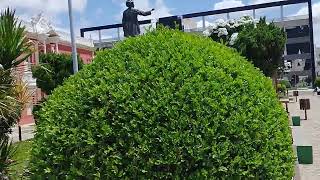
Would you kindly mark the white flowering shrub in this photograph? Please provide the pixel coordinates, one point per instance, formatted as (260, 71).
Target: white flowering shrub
(226, 32)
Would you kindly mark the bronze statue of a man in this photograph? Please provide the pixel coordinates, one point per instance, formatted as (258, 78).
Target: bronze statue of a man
(130, 21)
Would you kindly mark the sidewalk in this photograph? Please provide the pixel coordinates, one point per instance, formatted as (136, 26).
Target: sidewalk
(27, 132)
(308, 133)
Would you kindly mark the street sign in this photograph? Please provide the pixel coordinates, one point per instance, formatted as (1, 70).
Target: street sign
(305, 105)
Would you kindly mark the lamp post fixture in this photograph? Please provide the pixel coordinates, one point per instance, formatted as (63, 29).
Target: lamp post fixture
(73, 42)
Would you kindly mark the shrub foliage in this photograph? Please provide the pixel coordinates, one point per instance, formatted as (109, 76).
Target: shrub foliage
(286, 83)
(53, 70)
(263, 45)
(164, 105)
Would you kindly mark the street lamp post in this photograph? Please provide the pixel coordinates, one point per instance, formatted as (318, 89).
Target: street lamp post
(73, 43)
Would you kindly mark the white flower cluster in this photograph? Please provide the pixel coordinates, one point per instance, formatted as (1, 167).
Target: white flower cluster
(233, 38)
(1, 67)
(222, 32)
(207, 32)
(224, 28)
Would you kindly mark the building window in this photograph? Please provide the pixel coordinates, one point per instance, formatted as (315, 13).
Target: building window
(298, 47)
(307, 65)
(299, 31)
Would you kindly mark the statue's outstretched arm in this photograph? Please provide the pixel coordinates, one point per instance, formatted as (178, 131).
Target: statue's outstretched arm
(144, 13)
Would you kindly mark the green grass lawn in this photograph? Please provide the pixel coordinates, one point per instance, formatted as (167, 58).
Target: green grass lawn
(21, 160)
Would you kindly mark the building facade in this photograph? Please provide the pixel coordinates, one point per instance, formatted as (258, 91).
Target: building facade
(46, 39)
(299, 67)
(317, 57)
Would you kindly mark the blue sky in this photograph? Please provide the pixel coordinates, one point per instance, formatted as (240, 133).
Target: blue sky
(101, 12)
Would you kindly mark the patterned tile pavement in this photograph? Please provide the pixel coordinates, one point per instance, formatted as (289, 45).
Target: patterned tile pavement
(308, 133)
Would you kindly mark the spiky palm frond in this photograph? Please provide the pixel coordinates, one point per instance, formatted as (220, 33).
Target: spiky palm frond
(15, 47)
(23, 95)
(7, 151)
(9, 106)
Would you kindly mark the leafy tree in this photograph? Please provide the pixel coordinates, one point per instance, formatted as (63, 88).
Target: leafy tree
(263, 44)
(53, 70)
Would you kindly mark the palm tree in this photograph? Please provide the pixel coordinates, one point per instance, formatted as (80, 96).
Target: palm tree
(7, 150)
(9, 105)
(15, 47)
(9, 108)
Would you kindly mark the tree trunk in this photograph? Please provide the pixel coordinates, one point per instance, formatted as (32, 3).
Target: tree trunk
(275, 80)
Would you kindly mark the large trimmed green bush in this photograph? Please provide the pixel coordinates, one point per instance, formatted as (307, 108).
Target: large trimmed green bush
(164, 105)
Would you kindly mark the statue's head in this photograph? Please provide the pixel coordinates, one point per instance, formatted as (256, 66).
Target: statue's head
(130, 4)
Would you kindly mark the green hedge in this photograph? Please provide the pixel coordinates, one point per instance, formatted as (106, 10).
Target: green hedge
(282, 88)
(286, 83)
(164, 105)
(53, 70)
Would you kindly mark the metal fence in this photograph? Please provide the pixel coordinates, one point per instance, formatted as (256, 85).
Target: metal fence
(252, 9)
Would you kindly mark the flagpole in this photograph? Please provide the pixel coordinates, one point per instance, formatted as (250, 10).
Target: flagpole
(73, 43)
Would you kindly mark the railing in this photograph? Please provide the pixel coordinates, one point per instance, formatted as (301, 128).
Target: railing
(112, 26)
(203, 16)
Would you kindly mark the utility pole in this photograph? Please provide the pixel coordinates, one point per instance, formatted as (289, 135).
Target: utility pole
(73, 42)
(312, 42)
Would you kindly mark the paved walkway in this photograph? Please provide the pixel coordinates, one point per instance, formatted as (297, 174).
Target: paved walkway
(308, 133)
(27, 132)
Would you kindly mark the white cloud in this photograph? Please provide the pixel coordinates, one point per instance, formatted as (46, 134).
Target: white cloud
(228, 4)
(272, 13)
(51, 9)
(224, 4)
(161, 9)
(49, 6)
(315, 10)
